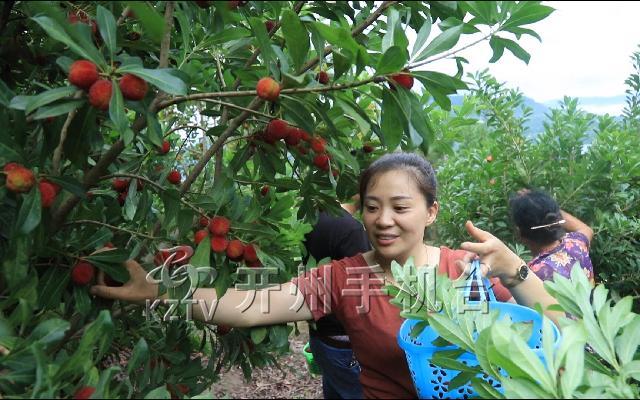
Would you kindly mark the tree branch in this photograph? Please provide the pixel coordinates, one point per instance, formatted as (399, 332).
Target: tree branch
(57, 153)
(246, 93)
(354, 32)
(450, 52)
(88, 221)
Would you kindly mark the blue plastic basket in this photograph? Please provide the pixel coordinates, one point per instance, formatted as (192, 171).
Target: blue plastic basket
(431, 381)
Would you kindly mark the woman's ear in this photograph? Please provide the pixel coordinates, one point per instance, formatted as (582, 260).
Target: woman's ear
(432, 213)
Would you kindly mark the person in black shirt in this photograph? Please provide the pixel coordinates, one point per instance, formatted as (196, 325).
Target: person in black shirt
(336, 237)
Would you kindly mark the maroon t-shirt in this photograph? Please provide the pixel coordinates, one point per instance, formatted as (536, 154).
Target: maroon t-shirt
(371, 322)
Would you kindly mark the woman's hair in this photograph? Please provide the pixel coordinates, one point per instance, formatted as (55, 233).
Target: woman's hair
(418, 167)
(535, 208)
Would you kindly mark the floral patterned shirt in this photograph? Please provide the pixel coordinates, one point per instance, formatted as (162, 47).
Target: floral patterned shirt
(574, 248)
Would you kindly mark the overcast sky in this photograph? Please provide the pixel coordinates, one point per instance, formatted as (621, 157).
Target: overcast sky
(584, 52)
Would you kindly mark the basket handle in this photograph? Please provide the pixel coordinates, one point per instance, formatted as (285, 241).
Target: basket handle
(483, 284)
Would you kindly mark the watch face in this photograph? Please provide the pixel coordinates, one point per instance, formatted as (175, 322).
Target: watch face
(523, 272)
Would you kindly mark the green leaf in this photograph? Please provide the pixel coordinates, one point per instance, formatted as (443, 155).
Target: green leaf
(258, 334)
(518, 388)
(392, 120)
(51, 286)
(342, 62)
(497, 45)
(107, 27)
(30, 212)
(263, 41)
(58, 33)
(111, 263)
(528, 14)
(139, 355)
(515, 49)
(20, 102)
(574, 370)
(451, 331)
(423, 35)
(154, 130)
(49, 331)
(49, 97)
(152, 22)
(296, 37)
(486, 11)
(449, 84)
(58, 109)
(202, 255)
(160, 392)
(443, 42)
(484, 389)
(162, 78)
(5, 94)
(627, 343)
(81, 300)
(392, 61)
(116, 109)
(339, 37)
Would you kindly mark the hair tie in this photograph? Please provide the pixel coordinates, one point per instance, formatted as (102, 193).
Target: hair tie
(562, 221)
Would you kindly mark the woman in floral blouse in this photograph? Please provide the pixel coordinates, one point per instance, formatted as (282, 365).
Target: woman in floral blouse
(557, 240)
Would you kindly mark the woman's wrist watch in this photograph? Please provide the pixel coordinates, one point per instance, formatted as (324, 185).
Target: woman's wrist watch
(522, 272)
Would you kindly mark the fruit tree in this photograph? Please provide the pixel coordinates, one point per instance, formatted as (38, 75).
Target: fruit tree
(224, 126)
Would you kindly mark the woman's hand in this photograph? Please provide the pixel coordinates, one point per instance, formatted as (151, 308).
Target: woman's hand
(498, 259)
(137, 290)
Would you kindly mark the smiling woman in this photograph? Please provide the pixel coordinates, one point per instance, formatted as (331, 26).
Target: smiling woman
(398, 193)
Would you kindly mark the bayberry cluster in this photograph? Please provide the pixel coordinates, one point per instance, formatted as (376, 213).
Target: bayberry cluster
(235, 249)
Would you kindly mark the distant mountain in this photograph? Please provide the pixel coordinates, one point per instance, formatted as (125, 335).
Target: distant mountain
(597, 105)
(534, 124)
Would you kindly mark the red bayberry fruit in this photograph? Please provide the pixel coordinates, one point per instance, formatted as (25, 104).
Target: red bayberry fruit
(264, 190)
(199, 235)
(367, 148)
(166, 146)
(120, 185)
(269, 25)
(219, 244)
(219, 226)
(321, 161)
(122, 198)
(322, 77)
(235, 250)
(12, 165)
(82, 273)
(83, 74)
(84, 393)
(132, 87)
(174, 177)
(277, 129)
(83, 18)
(318, 144)
(223, 329)
(302, 149)
(203, 221)
(19, 179)
(100, 94)
(293, 136)
(268, 89)
(48, 193)
(253, 264)
(250, 254)
(403, 79)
